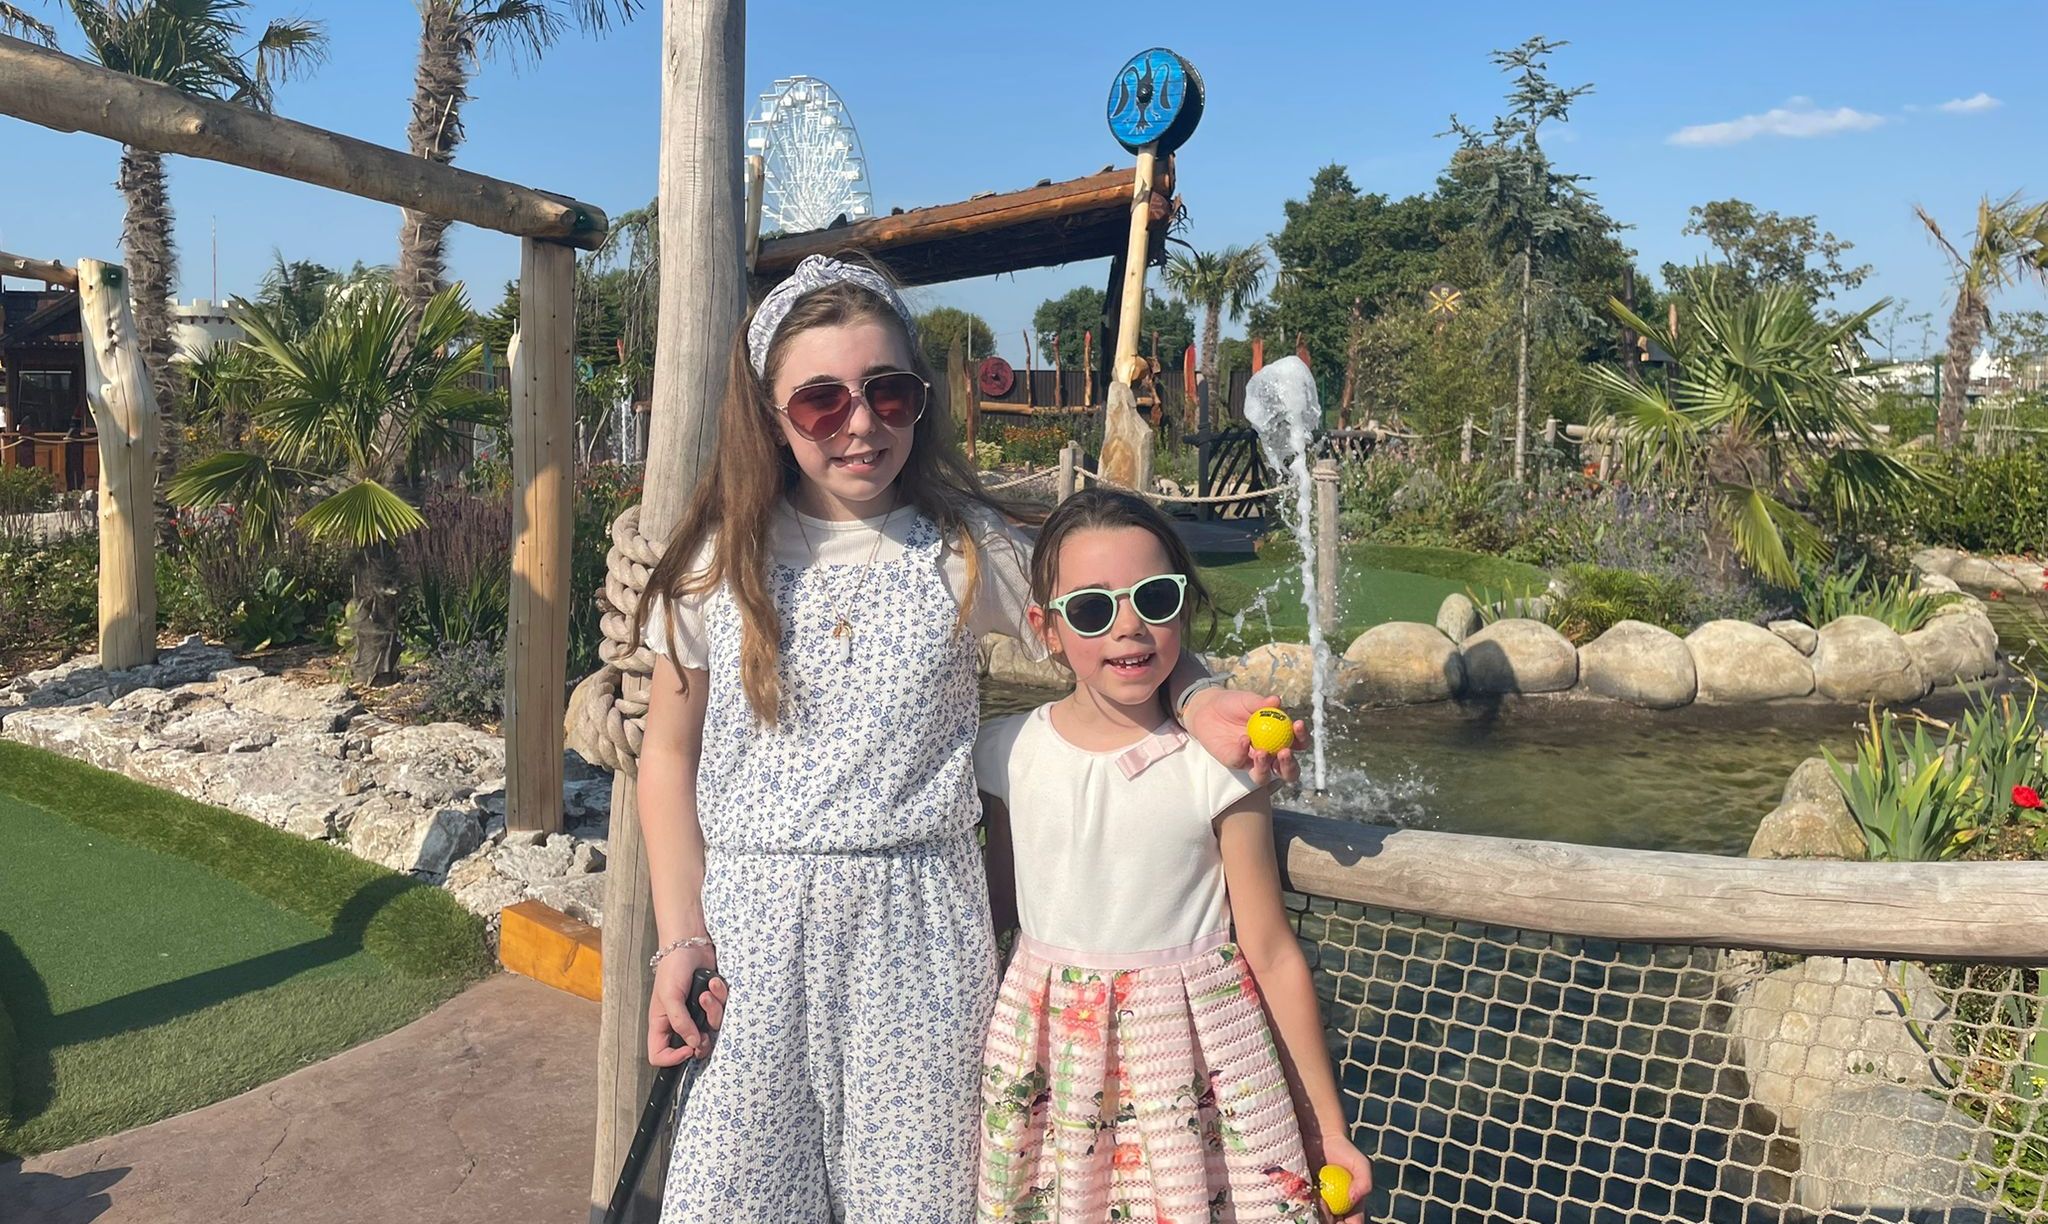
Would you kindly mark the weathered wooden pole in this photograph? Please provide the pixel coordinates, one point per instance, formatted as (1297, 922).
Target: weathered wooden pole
(703, 296)
(1465, 442)
(47, 271)
(124, 409)
(543, 525)
(962, 390)
(1325, 477)
(1070, 461)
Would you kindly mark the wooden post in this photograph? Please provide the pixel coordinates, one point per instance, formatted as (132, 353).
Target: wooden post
(1465, 441)
(543, 523)
(757, 186)
(965, 395)
(124, 408)
(1059, 384)
(1325, 477)
(1070, 465)
(50, 272)
(1258, 354)
(1088, 368)
(1030, 380)
(703, 296)
(1550, 433)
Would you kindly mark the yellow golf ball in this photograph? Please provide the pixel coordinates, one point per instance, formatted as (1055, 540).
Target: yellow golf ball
(1335, 1183)
(1270, 729)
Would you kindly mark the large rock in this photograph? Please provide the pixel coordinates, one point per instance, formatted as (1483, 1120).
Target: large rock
(325, 707)
(1828, 1025)
(1954, 649)
(1519, 656)
(1641, 664)
(1402, 663)
(1799, 634)
(1283, 670)
(1009, 663)
(1893, 1151)
(437, 764)
(1809, 829)
(1738, 662)
(1860, 659)
(1813, 781)
(2007, 577)
(1458, 618)
(405, 838)
(1940, 584)
(1936, 562)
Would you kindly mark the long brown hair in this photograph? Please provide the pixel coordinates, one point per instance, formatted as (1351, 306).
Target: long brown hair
(736, 497)
(1103, 508)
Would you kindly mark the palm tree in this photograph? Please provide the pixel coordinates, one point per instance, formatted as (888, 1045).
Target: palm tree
(1761, 421)
(1232, 277)
(456, 36)
(353, 409)
(2011, 241)
(194, 46)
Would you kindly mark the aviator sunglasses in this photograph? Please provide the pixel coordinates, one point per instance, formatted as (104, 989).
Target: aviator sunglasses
(819, 411)
(1090, 611)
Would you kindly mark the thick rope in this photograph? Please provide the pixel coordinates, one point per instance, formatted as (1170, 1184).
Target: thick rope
(1025, 479)
(607, 712)
(1168, 499)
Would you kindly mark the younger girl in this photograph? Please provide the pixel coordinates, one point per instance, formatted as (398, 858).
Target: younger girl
(1130, 1071)
(806, 778)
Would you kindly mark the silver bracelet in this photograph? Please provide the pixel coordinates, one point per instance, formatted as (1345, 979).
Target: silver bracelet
(1180, 706)
(694, 941)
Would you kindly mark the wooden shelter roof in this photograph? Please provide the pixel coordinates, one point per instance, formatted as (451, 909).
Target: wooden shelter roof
(1051, 223)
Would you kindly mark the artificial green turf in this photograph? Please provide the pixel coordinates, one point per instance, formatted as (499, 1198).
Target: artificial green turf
(1381, 583)
(157, 955)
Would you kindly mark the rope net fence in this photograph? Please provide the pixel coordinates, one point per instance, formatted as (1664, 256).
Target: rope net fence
(1503, 1074)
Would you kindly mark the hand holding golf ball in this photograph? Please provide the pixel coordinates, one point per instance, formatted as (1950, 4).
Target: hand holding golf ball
(1270, 729)
(1334, 1181)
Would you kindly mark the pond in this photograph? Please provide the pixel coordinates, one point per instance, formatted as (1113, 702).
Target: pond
(1586, 772)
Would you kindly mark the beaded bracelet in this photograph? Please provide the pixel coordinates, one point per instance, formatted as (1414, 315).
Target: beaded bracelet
(694, 941)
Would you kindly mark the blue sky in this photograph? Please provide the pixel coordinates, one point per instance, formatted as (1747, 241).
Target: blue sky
(1835, 109)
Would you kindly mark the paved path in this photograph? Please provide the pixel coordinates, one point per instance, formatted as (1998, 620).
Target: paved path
(481, 1111)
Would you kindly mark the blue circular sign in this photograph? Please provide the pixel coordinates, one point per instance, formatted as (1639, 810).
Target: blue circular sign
(1156, 99)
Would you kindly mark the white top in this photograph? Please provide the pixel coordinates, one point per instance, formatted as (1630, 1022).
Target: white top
(1106, 862)
(801, 541)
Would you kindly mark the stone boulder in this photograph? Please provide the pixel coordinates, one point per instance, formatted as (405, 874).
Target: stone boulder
(1641, 664)
(1941, 584)
(1519, 656)
(1954, 649)
(1009, 663)
(1738, 662)
(1828, 1025)
(1809, 829)
(1458, 618)
(1402, 663)
(325, 707)
(1801, 635)
(422, 841)
(1936, 562)
(2007, 577)
(1894, 1152)
(1284, 670)
(1813, 781)
(436, 764)
(1860, 659)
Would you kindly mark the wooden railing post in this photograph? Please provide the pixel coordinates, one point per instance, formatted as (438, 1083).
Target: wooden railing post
(543, 524)
(1070, 459)
(124, 408)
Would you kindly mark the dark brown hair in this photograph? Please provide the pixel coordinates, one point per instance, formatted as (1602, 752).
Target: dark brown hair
(1101, 508)
(739, 490)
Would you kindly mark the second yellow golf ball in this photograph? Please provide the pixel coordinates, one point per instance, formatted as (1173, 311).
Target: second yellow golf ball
(1270, 729)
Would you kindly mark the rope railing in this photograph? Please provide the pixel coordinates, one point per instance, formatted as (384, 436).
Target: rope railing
(1171, 499)
(1027, 478)
(1535, 1031)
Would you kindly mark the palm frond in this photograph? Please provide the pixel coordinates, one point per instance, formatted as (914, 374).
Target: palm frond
(17, 21)
(258, 489)
(362, 514)
(1771, 537)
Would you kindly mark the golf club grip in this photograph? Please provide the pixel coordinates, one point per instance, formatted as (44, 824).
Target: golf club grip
(651, 1115)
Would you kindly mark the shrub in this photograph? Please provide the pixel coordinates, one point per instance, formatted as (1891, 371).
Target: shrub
(1827, 597)
(1917, 799)
(464, 682)
(49, 597)
(458, 572)
(1595, 598)
(274, 593)
(26, 490)
(1996, 504)
(1037, 445)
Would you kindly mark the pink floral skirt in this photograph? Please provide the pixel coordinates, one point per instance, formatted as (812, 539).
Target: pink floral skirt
(1144, 1087)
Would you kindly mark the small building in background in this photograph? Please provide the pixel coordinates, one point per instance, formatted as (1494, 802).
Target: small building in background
(202, 323)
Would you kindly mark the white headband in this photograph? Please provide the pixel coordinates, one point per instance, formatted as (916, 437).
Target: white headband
(815, 272)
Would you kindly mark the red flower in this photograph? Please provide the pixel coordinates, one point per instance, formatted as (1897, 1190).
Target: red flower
(2026, 797)
(1128, 1156)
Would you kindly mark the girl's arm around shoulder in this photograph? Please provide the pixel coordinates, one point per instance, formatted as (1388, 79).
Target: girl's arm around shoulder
(1251, 871)
(1002, 863)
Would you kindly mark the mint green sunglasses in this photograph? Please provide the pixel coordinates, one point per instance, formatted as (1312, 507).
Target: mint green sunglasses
(1090, 611)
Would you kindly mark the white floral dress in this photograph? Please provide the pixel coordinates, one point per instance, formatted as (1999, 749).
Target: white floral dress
(845, 892)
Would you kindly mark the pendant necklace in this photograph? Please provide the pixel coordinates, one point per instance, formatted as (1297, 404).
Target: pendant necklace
(842, 628)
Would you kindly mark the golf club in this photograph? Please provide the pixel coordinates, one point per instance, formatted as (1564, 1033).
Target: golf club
(674, 1080)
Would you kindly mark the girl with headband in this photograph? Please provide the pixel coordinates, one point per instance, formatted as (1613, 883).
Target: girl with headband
(806, 781)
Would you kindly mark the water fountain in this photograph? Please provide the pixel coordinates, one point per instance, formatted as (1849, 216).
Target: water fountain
(1281, 403)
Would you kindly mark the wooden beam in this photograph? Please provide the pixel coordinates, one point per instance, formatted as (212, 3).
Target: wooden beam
(53, 89)
(49, 272)
(124, 408)
(543, 524)
(1083, 218)
(1970, 911)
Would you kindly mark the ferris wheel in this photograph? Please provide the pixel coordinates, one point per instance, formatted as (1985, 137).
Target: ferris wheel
(815, 171)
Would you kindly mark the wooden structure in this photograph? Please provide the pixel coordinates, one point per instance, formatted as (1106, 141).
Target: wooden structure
(44, 420)
(125, 409)
(60, 92)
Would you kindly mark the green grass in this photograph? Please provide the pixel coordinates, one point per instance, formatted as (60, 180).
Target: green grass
(157, 954)
(1381, 583)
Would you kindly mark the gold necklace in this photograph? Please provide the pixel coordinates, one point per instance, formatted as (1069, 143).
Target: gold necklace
(842, 627)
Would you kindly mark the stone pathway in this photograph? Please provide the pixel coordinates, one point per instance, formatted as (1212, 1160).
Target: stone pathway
(480, 1111)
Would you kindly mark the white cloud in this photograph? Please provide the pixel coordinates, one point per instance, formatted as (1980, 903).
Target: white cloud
(1979, 102)
(1798, 119)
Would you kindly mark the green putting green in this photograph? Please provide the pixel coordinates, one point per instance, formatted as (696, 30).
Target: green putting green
(1381, 583)
(157, 955)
